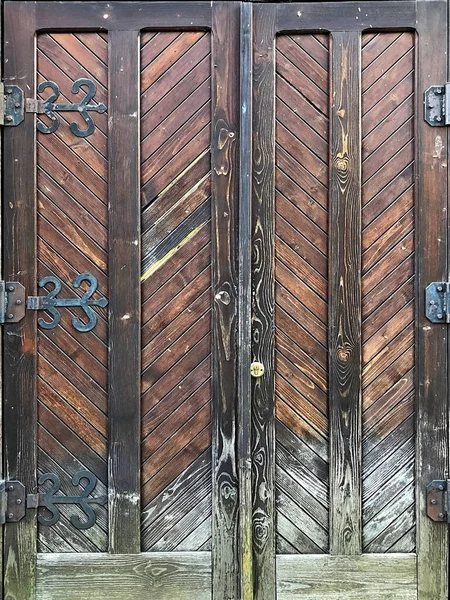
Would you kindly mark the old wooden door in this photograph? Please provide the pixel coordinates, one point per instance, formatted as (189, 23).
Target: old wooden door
(350, 419)
(154, 464)
(137, 193)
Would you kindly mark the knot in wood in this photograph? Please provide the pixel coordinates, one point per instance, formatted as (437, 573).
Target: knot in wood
(343, 354)
(342, 164)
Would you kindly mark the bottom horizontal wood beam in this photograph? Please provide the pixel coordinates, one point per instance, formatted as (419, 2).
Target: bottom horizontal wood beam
(363, 577)
(159, 576)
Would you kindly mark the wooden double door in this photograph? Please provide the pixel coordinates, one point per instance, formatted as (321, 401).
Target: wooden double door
(243, 205)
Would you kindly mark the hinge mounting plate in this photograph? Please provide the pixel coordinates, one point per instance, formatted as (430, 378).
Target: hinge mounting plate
(12, 501)
(437, 302)
(438, 500)
(12, 302)
(11, 105)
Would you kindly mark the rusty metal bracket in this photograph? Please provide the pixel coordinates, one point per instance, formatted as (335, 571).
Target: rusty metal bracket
(12, 302)
(437, 105)
(438, 500)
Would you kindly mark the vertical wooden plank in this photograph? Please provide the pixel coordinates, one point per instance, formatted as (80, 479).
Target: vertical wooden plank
(244, 309)
(124, 293)
(19, 256)
(345, 295)
(432, 339)
(263, 200)
(225, 188)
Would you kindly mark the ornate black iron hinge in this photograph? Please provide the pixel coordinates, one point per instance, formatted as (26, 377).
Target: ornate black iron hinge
(437, 105)
(437, 302)
(14, 501)
(13, 106)
(13, 302)
(438, 500)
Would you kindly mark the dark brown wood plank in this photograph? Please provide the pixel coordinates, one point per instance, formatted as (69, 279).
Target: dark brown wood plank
(244, 309)
(263, 343)
(337, 16)
(225, 190)
(19, 218)
(87, 16)
(432, 340)
(345, 293)
(124, 294)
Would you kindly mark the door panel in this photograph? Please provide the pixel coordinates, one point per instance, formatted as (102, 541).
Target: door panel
(176, 290)
(145, 201)
(338, 429)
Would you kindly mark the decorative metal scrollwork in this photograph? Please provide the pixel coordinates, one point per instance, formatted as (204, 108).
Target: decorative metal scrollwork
(50, 107)
(51, 303)
(49, 500)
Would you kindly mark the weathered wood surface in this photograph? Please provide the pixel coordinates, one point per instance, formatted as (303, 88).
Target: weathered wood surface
(160, 576)
(301, 294)
(345, 293)
(124, 377)
(364, 577)
(176, 290)
(244, 306)
(432, 340)
(263, 402)
(225, 189)
(388, 276)
(19, 263)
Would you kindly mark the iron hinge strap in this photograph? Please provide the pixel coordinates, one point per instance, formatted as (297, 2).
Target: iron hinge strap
(437, 302)
(437, 105)
(438, 500)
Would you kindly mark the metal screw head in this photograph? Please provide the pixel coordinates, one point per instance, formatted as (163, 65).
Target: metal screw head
(18, 302)
(439, 316)
(434, 501)
(17, 104)
(441, 515)
(10, 288)
(9, 118)
(432, 302)
(10, 488)
(439, 288)
(440, 487)
(18, 501)
(10, 516)
(10, 316)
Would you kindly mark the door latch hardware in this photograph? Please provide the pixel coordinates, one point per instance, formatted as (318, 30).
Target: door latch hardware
(51, 303)
(256, 369)
(12, 302)
(49, 107)
(14, 501)
(437, 105)
(437, 302)
(438, 500)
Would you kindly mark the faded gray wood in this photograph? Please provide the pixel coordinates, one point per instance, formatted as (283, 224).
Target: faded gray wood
(432, 250)
(244, 339)
(225, 190)
(19, 340)
(159, 576)
(124, 462)
(345, 296)
(364, 577)
(263, 283)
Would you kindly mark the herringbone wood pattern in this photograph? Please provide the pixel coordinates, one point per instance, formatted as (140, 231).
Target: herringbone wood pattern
(72, 222)
(388, 292)
(176, 291)
(301, 250)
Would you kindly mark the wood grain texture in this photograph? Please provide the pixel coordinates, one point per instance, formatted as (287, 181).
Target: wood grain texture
(432, 342)
(364, 577)
(263, 404)
(345, 293)
(388, 395)
(244, 305)
(161, 576)
(225, 188)
(72, 366)
(176, 290)
(124, 303)
(19, 262)
(301, 296)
